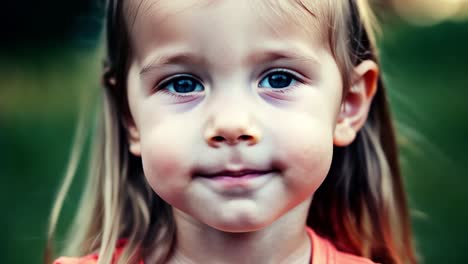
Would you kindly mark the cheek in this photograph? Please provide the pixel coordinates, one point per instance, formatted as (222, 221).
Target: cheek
(306, 146)
(165, 158)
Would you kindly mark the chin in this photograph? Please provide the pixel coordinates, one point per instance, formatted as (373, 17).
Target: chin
(242, 223)
(228, 228)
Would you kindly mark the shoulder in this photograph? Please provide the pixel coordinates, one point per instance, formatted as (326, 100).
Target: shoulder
(323, 251)
(345, 258)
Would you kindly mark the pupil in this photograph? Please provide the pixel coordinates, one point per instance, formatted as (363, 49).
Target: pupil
(184, 86)
(280, 80)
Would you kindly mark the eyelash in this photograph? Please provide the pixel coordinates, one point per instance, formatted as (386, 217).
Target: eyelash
(295, 77)
(162, 87)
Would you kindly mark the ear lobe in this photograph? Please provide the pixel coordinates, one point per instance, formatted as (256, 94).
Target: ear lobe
(133, 138)
(356, 104)
(344, 133)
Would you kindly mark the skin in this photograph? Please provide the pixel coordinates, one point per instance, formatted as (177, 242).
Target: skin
(233, 121)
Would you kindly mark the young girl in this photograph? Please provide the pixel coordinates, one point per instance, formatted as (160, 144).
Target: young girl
(242, 132)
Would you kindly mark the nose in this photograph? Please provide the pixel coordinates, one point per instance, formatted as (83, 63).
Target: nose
(231, 127)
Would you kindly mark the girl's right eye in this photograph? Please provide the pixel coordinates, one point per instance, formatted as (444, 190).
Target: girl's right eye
(182, 85)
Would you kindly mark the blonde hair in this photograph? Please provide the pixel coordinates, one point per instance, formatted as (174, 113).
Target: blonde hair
(361, 206)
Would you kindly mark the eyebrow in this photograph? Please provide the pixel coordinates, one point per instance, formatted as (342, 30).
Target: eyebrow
(175, 59)
(275, 55)
(257, 57)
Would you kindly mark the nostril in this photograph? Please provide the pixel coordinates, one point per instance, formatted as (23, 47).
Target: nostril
(218, 138)
(245, 137)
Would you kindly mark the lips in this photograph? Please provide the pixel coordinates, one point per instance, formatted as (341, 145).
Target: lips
(235, 174)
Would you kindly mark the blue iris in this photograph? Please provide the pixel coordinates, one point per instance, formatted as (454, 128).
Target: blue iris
(184, 84)
(277, 80)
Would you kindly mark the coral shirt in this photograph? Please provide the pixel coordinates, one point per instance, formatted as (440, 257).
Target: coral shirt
(323, 252)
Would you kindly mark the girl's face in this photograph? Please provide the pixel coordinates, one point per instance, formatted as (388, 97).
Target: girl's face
(234, 109)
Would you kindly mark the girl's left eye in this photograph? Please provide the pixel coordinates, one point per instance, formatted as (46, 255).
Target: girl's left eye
(278, 80)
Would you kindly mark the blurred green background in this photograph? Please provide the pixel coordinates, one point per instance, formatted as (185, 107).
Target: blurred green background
(50, 64)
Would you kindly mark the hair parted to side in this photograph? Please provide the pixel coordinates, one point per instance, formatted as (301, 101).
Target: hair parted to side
(361, 206)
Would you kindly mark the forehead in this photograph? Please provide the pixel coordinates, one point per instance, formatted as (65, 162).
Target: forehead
(159, 21)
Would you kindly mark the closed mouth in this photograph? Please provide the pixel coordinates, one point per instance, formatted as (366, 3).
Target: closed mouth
(235, 174)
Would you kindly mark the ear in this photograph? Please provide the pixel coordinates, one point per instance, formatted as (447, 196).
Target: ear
(356, 104)
(133, 135)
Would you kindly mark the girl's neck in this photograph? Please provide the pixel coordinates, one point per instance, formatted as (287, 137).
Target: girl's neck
(284, 241)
